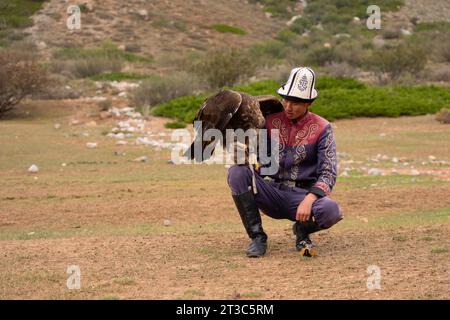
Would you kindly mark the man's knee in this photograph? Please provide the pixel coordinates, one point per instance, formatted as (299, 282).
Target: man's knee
(239, 178)
(327, 212)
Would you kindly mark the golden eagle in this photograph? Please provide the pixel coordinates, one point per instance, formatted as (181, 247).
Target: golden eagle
(230, 110)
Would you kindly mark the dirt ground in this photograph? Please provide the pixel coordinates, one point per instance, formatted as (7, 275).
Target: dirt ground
(152, 230)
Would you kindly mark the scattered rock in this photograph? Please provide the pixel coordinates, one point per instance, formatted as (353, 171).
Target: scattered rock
(57, 126)
(344, 174)
(141, 159)
(120, 136)
(41, 45)
(395, 160)
(91, 124)
(414, 172)
(167, 222)
(374, 172)
(293, 19)
(405, 32)
(121, 142)
(143, 13)
(91, 145)
(33, 168)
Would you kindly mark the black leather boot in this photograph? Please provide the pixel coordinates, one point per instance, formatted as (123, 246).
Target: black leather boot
(248, 210)
(303, 243)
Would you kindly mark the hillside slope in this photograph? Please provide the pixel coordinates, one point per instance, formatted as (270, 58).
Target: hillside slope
(156, 28)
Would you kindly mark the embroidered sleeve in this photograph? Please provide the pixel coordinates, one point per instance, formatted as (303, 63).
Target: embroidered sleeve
(327, 163)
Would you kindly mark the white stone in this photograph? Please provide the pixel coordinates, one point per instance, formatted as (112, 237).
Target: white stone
(414, 172)
(293, 19)
(33, 168)
(57, 126)
(374, 172)
(395, 160)
(141, 159)
(405, 32)
(167, 222)
(121, 142)
(143, 13)
(41, 45)
(431, 158)
(91, 145)
(120, 136)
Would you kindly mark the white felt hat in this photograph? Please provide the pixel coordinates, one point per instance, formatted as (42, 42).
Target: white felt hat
(300, 86)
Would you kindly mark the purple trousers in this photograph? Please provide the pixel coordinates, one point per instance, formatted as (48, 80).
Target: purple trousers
(279, 201)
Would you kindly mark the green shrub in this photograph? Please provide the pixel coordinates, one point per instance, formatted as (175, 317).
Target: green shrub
(338, 98)
(380, 101)
(279, 8)
(184, 108)
(259, 88)
(321, 56)
(228, 29)
(224, 67)
(268, 52)
(20, 75)
(433, 26)
(87, 67)
(118, 76)
(107, 50)
(16, 13)
(158, 90)
(175, 125)
(300, 25)
(396, 61)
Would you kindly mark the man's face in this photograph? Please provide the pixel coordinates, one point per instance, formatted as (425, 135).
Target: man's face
(294, 110)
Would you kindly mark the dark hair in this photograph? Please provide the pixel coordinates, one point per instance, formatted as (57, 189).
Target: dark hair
(295, 99)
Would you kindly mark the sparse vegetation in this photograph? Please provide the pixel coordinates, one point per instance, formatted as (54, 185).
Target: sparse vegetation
(228, 29)
(224, 67)
(158, 90)
(119, 76)
(91, 62)
(405, 58)
(16, 13)
(20, 75)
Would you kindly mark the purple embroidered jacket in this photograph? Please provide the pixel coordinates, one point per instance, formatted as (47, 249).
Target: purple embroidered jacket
(307, 151)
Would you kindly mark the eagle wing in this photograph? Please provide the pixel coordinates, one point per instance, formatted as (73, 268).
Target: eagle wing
(269, 104)
(215, 113)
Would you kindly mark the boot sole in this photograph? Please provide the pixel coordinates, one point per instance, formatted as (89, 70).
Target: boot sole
(254, 255)
(310, 253)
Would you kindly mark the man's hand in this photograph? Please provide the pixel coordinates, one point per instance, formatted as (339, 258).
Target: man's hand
(304, 208)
